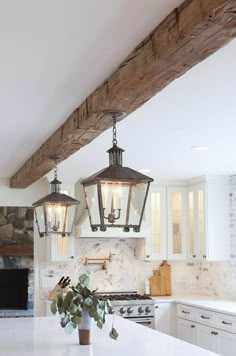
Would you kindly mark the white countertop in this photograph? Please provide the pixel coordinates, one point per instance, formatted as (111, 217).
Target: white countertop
(43, 336)
(227, 306)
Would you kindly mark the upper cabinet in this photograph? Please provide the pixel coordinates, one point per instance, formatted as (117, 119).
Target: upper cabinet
(167, 208)
(176, 223)
(208, 219)
(191, 221)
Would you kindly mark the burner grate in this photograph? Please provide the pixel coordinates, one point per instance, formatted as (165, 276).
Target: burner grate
(113, 297)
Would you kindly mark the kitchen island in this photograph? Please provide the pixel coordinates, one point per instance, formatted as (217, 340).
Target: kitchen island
(44, 336)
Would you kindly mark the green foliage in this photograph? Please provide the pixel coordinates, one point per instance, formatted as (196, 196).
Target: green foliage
(79, 298)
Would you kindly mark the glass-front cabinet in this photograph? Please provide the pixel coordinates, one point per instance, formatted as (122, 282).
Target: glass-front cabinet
(157, 244)
(197, 221)
(176, 223)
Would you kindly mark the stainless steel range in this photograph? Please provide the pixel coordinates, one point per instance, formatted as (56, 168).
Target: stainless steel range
(133, 306)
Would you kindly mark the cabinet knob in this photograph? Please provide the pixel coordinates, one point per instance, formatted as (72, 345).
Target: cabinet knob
(148, 256)
(72, 257)
(204, 256)
(192, 326)
(156, 306)
(194, 256)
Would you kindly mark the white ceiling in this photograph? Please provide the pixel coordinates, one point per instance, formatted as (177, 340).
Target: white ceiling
(196, 109)
(54, 53)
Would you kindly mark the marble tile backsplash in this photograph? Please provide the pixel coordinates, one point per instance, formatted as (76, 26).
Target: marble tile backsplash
(126, 272)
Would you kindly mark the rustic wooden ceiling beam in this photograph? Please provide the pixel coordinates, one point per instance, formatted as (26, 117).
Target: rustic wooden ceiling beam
(186, 37)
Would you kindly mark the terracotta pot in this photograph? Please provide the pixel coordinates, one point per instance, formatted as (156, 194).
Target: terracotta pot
(85, 329)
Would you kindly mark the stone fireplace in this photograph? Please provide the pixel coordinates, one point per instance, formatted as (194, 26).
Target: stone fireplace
(16, 261)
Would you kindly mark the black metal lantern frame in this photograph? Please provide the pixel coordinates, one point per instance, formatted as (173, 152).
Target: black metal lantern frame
(55, 213)
(116, 196)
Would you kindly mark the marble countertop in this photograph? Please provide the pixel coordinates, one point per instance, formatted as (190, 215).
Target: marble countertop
(221, 305)
(41, 336)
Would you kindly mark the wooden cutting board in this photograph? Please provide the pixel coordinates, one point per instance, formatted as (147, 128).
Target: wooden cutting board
(160, 282)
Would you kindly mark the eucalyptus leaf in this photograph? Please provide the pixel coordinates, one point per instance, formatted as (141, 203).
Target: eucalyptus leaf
(113, 334)
(84, 279)
(54, 307)
(69, 328)
(88, 301)
(99, 324)
(76, 320)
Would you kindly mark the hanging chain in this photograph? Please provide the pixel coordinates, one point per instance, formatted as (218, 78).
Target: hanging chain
(114, 141)
(55, 170)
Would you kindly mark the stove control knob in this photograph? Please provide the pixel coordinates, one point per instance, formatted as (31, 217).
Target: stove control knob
(130, 310)
(148, 310)
(140, 310)
(111, 311)
(122, 310)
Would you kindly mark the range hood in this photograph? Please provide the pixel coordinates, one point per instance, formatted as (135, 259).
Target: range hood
(82, 227)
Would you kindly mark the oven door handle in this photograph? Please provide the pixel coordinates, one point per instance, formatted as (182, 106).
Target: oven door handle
(143, 321)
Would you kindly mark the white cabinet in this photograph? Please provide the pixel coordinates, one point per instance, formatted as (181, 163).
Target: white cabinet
(206, 337)
(156, 244)
(186, 331)
(60, 248)
(226, 343)
(167, 211)
(208, 219)
(207, 329)
(177, 223)
(164, 318)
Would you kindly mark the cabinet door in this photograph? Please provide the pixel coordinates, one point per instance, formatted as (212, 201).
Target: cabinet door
(163, 318)
(206, 337)
(186, 330)
(177, 223)
(61, 248)
(157, 244)
(196, 222)
(226, 343)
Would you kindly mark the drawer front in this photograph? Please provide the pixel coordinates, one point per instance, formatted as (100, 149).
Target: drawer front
(186, 312)
(206, 317)
(226, 322)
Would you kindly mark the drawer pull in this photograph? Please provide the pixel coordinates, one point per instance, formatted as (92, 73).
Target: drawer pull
(226, 323)
(214, 333)
(185, 312)
(192, 326)
(205, 317)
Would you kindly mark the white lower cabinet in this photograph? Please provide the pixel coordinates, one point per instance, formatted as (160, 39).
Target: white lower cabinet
(164, 318)
(186, 331)
(226, 343)
(202, 333)
(206, 337)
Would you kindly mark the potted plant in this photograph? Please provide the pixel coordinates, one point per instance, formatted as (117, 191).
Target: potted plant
(80, 307)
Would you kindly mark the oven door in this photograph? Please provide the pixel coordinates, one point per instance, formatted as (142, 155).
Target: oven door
(146, 321)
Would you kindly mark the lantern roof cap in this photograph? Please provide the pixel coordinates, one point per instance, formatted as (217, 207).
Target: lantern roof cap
(117, 173)
(56, 198)
(115, 148)
(55, 181)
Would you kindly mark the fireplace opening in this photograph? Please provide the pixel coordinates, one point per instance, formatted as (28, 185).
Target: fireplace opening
(13, 288)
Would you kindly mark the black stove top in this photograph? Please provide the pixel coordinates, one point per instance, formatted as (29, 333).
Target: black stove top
(132, 296)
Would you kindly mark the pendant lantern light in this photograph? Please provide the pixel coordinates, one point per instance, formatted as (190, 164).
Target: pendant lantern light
(116, 196)
(55, 213)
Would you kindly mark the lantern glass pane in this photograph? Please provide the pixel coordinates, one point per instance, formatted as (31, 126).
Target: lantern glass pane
(92, 203)
(39, 214)
(60, 218)
(55, 217)
(115, 201)
(137, 201)
(70, 217)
